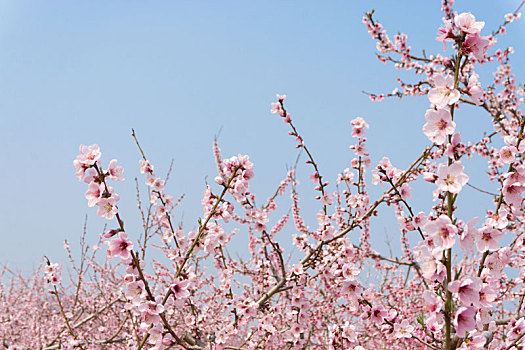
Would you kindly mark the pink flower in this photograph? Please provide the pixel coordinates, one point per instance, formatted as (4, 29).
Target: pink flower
(151, 310)
(359, 126)
(442, 231)
(517, 329)
(52, 273)
(512, 192)
(487, 295)
(443, 93)
(107, 208)
(497, 220)
(89, 155)
(403, 329)
(507, 153)
(475, 341)
(351, 289)
(155, 182)
(115, 171)
(439, 125)
(145, 167)
(512, 141)
(488, 239)
(135, 291)
(455, 146)
(405, 191)
(94, 193)
(80, 169)
(466, 22)
(451, 178)
(419, 220)
(378, 314)
(349, 270)
(432, 302)
(445, 33)
(297, 269)
(469, 235)
(120, 246)
(464, 320)
(434, 323)
(180, 289)
(327, 199)
(474, 89)
(467, 290)
(475, 44)
(359, 123)
(431, 268)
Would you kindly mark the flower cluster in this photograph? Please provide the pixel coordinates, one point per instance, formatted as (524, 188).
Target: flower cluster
(316, 282)
(98, 193)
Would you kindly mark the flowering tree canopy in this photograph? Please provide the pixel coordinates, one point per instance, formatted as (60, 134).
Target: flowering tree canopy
(458, 284)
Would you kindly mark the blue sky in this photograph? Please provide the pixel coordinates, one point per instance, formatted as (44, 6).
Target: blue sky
(179, 71)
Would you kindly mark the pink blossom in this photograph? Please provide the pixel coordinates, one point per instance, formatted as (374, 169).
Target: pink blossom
(497, 220)
(419, 220)
(451, 178)
(512, 191)
(475, 44)
(145, 167)
(297, 269)
(475, 341)
(488, 239)
(151, 311)
(439, 125)
(327, 199)
(487, 295)
(474, 89)
(517, 329)
(467, 290)
(52, 273)
(94, 193)
(135, 292)
(455, 146)
(349, 271)
(434, 323)
(351, 288)
(276, 109)
(180, 289)
(512, 141)
(92, 176)
(429, 177)
(155, 182)
(442, 231)
(115, 171)
(466, 22)
(377, 314)
(89, 155)
(405, 191)
(359, 123)
(403, 329)
(469, 236)
(443, 93)
(464, 320)
(80, 169)
(359, 126)
(432, 302)
(507, 154)
(445, 33)
(107, 208)
(120, 246)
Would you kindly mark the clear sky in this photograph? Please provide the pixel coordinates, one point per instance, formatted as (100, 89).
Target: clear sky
(177, 72)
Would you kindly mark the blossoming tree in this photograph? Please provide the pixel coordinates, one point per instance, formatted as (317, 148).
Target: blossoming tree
(457, 287)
